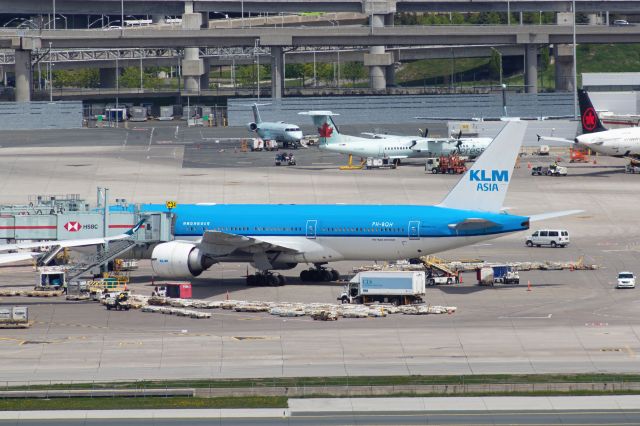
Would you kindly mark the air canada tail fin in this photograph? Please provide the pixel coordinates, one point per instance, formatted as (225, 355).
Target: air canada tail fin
(484, 186)
(327, 129)
(588, 115)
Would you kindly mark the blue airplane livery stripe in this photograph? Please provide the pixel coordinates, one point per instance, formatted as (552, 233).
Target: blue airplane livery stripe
(322, 220)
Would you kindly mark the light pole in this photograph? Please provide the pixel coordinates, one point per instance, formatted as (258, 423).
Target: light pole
(242, 13)
(575, 65)
(54, 14)
(121, 18)
(500, 64)
(50, 76)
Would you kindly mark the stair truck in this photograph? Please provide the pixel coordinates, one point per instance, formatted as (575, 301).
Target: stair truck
(395, 287)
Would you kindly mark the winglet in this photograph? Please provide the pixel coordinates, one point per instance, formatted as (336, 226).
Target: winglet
(485, 185)
(135, 228)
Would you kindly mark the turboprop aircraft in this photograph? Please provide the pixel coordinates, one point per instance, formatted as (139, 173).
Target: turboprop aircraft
(621, 142)
(280, 236)
(393, 147)
(285, 133)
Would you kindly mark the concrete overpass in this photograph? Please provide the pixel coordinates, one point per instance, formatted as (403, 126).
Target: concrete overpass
(527, 37)
(174, 7)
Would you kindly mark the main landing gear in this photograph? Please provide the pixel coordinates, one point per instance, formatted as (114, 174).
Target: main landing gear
(319, 274)
(266, 278)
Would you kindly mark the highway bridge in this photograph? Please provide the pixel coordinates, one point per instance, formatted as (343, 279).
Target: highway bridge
(174, 7)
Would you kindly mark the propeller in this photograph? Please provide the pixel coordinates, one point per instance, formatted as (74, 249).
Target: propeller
(459, 143)
(425, 133)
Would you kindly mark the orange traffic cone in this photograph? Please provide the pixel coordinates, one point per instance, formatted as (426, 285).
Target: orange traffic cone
(528, 165)
(528, 285)
(459, 278)
(594, 160)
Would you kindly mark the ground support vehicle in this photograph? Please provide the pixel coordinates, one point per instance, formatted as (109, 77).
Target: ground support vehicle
(395, 287)
(380, 163)
(552, 170)
(438, 272)
(119, 302)
(286, 159)
(626, 280)
(548, 237)
(503, 274)
(632, 168)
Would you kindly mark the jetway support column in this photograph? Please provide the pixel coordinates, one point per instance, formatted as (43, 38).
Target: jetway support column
(24, 75)
(390, 70)
(531, 68)
(204, 78)
(192, 66)
(277, 72)
(377, 60)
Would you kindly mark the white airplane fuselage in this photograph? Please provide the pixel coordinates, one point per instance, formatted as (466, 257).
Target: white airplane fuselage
(623, 142)
(407, 147)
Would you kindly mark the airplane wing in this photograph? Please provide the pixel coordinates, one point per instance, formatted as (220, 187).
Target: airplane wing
(220, 243)
(71, 243)
(17, 257)
(553, 139)
(502, 118)
(377, 135)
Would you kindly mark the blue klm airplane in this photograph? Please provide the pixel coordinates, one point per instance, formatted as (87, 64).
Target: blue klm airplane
(277, 237)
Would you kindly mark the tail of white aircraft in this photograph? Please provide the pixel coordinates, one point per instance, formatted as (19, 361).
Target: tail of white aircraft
(485, 185)
(327, 128)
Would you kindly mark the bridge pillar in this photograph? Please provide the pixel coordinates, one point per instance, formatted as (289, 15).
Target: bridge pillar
(192, 66)
(531, 68)
(377, 60)
(23, 75)
(108, 77)
(277, 72)
(158, 19)
(204, 78)
(563, 57)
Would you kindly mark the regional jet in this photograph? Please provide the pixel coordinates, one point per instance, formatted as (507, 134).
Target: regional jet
(285, 133)
(622, 142)
(393, 147)
(279, 236)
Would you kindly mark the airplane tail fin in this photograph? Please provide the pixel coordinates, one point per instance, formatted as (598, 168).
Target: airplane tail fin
(256, 113)
(588, 116)
(327, 129)
(484, 186)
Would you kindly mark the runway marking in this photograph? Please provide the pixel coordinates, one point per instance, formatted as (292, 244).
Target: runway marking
(121, 344)
(243, 338)
(244, 162)
(631, 352)
(150, 139)
(596, 324)
(541, 317)
(13, 340)
(322, 164)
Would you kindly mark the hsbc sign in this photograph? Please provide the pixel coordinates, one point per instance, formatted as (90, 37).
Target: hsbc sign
(74, 226)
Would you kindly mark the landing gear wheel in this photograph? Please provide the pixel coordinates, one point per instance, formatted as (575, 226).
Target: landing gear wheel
(325, 275)
(305, 275)
(281, 280)
(251, 280)
(272, 280)
(335, 275)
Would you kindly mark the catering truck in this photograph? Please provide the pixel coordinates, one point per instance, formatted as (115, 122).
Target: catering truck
(396, 287)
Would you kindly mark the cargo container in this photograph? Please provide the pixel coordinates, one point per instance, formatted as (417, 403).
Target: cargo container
(178, 290)
(399, 288)
(498, 274)
(138, 113)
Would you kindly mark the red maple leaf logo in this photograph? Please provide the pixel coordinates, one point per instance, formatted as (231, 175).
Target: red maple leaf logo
(325, 131)
(589, 119)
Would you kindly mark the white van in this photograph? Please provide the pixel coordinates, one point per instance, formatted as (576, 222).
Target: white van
(626, 280)
(548, 237)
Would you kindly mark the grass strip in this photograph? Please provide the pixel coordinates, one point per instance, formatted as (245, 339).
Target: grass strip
(341, 381)
(141, 403)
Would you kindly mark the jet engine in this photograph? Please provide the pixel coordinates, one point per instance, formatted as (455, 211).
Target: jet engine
(177, 259)
(252, 126)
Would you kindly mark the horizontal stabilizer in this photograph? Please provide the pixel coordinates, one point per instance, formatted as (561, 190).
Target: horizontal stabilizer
(473, 224)
(545, 216)
(318, 113)
(552, 139)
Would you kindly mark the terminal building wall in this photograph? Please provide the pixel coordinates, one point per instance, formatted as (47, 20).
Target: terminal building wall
(40, 115)
(404, 108)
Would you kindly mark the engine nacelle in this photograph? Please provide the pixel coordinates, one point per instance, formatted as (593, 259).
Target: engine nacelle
(176, 259)
(252, 126)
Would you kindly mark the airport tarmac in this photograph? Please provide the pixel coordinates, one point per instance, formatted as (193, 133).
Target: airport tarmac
(570, 321)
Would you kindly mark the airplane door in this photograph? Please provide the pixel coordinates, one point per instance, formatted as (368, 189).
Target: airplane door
(311, 229)
(414, 229)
